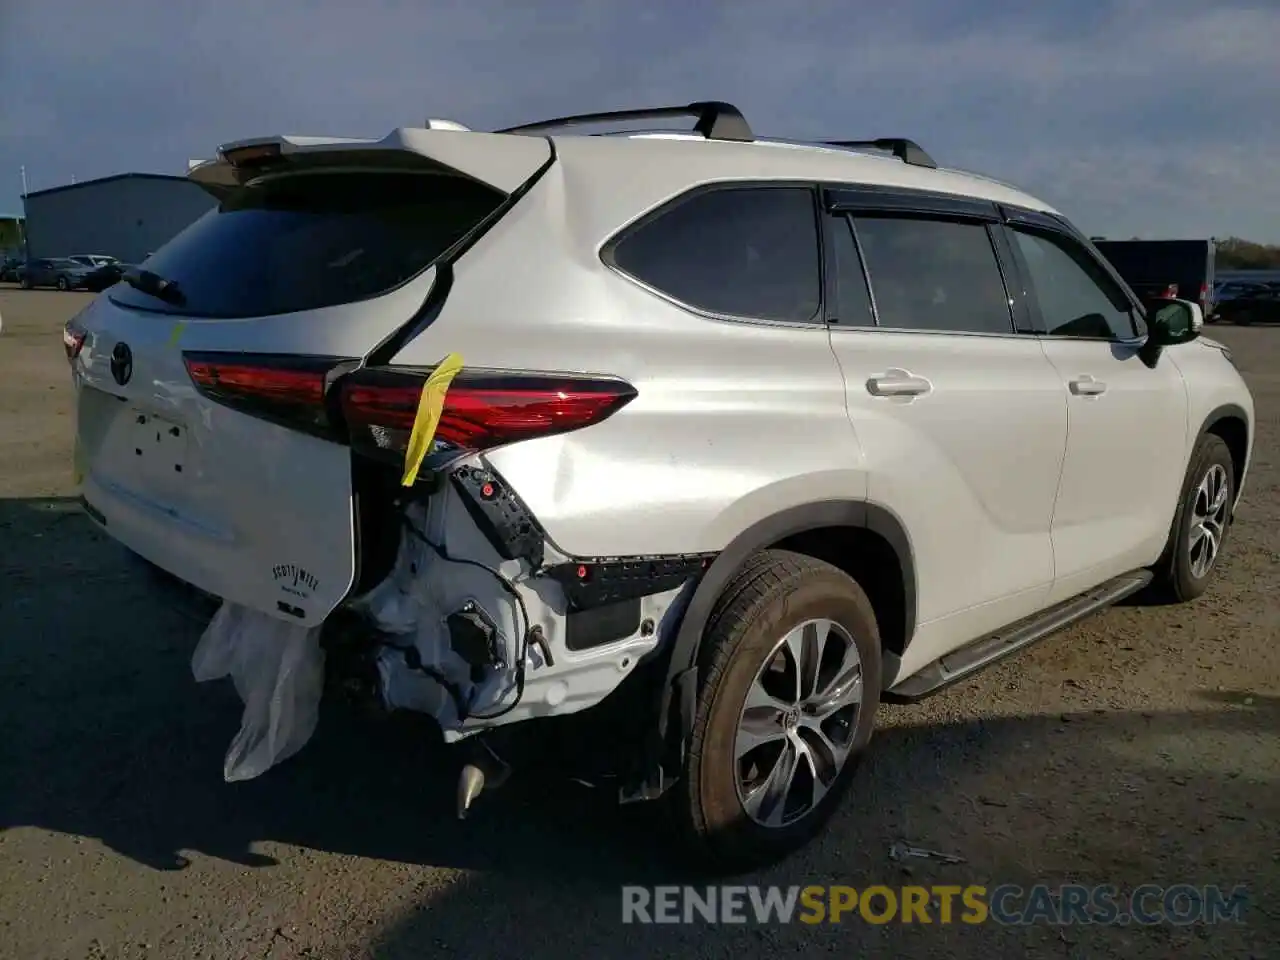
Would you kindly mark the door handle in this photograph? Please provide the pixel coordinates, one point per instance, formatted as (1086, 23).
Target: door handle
(898, 383)
(1086, 386)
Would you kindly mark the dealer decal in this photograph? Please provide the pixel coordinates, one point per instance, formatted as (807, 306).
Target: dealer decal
(294, 579)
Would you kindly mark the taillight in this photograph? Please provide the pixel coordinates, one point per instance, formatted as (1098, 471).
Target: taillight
(288, 390)
(1170, 292)
(72, 339)
(481, 409)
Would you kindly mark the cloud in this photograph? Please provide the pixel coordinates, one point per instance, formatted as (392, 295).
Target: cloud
(1147, 117)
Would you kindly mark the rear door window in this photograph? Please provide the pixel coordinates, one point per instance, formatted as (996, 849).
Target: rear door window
(306, 241)
(938, 275)
(750, 252)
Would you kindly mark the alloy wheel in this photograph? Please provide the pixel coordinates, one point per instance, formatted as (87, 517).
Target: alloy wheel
(798, 722)
(1208, 521)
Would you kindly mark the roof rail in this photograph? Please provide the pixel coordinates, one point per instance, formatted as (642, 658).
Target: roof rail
(716, 120)
(908, 151)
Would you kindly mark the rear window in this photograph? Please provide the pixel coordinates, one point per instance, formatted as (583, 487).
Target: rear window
(307, 241)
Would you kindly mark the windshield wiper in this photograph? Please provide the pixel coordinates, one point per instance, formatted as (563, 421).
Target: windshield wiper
(155, 285)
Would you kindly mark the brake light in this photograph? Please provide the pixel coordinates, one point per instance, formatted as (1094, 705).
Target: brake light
(1170, 292)
(288, 390)
(481, 410)
(72, 339)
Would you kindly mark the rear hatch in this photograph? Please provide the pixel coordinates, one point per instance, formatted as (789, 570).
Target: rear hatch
(203, 441)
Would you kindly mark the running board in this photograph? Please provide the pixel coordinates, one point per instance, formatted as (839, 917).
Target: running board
(984, 651)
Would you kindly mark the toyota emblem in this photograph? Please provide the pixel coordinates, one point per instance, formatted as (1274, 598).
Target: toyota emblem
(121, 363)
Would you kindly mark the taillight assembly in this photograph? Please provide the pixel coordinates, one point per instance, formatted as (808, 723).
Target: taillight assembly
(285, 389)
(482, 409)
(375, 407)
(72, 339)
(1170, 292)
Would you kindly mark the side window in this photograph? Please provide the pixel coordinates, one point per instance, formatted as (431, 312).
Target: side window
(936, 275)
(742, 252)
(852, 307)
(1076, 297)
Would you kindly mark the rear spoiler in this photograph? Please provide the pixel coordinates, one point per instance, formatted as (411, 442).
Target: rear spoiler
(500, 161)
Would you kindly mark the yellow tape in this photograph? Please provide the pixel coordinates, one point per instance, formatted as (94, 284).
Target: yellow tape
(430, 406)
(176, 333)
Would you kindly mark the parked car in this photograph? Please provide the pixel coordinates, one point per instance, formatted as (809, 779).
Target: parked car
(60, 272)
(716, 441)
(1258, 304)
(105, 275)
(10, 269)
(93, 260)
(1165, 268)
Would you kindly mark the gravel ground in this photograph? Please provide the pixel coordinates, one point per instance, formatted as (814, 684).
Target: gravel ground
(1140, 747)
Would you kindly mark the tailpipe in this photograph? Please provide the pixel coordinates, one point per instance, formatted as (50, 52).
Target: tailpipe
(486, 769)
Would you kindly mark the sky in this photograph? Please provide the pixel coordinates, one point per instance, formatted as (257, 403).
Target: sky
(1134, 117)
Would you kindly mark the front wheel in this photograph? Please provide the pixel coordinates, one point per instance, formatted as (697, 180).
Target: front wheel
(63, 285)
(1200, 524)
(789, 683)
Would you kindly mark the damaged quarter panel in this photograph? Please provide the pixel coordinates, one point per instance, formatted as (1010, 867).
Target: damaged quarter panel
(697, 454)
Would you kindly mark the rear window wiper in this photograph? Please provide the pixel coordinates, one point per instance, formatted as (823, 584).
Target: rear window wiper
(155, 285)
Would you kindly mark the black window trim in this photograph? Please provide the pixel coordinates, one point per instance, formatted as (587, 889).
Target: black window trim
(1058, 229)
(830, 269)
(852, 201)
(819, 319)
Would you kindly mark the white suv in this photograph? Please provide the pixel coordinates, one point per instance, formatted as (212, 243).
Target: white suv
(749, 436)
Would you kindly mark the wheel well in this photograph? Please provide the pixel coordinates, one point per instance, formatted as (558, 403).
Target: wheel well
(872, 561)
(1235, 434)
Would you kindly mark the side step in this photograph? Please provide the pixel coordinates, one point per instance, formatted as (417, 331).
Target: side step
(984, 651)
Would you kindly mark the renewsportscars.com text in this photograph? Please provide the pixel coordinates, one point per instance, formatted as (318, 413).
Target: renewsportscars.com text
(1006, 904)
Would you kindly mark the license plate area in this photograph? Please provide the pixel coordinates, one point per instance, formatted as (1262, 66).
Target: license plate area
(158, 449)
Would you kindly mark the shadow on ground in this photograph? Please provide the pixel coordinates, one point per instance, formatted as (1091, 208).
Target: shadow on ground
(106, 736)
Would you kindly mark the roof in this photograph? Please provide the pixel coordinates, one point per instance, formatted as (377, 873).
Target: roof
(101, 180)
(693, 158)
(616, 179)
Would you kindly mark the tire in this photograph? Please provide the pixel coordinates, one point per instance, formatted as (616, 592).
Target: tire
(1179, 578)
(775, 593)
(26, 283)
(63, 285)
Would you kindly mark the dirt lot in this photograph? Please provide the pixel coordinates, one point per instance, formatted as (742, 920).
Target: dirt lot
(1142, 747)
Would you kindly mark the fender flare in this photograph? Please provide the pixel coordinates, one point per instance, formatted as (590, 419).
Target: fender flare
(680, 683)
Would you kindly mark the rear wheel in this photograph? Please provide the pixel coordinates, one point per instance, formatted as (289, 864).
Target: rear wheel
(789, 685)
(1200, 524)
(26, 283)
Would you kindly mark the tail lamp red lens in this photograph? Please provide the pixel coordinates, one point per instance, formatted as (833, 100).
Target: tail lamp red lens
(72, 339)
(481, 410)
(377, 406)
(284, 389)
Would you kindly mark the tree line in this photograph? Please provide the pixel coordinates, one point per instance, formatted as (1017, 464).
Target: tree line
(1236, 254)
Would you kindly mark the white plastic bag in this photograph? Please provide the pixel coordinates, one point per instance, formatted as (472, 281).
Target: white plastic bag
(278, 671)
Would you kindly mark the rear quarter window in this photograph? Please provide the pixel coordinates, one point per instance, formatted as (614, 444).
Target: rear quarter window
(749, 252)
(306, 241)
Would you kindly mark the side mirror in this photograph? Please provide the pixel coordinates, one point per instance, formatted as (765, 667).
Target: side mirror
(1170, 323)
